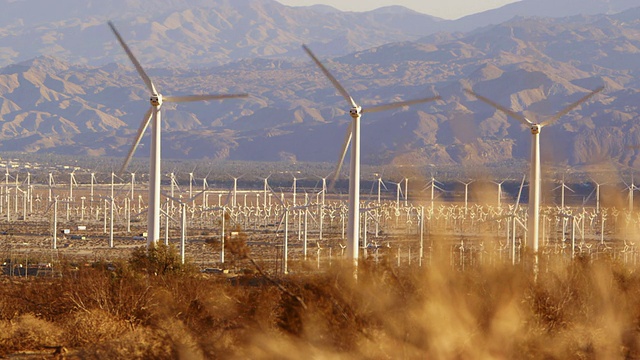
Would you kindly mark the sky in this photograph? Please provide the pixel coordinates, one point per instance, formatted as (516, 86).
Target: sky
(446, 9)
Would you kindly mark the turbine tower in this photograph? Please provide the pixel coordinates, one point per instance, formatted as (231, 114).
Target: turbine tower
(534, 180)
(353, 136)
(154, 113)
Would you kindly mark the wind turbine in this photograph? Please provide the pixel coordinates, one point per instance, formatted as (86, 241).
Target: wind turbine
(154, 113)
(353, 136)
(284, 220)
(562, 188)
(183, 220)
(433, 186)
(512, 221)
(631, 187)
(466, 193)
(534, 188)
(597, 190)
(499, 192)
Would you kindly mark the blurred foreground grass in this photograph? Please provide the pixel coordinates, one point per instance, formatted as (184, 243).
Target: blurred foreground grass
(152, 307)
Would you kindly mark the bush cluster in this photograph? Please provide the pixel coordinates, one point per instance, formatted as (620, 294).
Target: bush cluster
(151, 306)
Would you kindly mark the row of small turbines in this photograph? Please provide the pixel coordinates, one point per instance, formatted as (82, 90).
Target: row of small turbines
(257, 209)
(351, 141)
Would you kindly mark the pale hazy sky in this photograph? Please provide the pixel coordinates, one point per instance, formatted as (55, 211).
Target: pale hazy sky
(446, 9)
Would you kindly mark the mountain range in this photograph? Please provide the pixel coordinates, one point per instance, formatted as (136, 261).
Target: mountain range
(62, 92)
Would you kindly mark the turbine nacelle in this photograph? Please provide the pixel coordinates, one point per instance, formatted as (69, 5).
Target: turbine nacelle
(156, 100)
(535, 129)
(356, 111)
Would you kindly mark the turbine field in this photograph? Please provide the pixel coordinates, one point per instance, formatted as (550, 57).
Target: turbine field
(441, 278)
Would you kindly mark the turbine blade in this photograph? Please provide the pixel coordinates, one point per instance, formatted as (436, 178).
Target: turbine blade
(574, 105)
(588, 197)
(164, 193)
(191, 98)
(505, 110)
(195, 196)
(399, 104)
(133, 59)
(143, 126)
(281, 221)
(333, 80)
(519, 193)
(277, 197)
(343, 154)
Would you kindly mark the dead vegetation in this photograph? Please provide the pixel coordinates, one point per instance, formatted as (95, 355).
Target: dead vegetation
(152, 307)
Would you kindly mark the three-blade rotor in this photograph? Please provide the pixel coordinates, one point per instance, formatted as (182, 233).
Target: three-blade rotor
(356, 110)
(157, 99)
(528, 122)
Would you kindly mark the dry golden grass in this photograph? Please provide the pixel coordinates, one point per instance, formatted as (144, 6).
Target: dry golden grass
(583, 310)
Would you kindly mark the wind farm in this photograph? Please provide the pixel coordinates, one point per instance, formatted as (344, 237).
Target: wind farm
(444, 230)
(281, 216)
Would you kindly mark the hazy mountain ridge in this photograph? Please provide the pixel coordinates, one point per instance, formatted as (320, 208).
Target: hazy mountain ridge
(538, 65)
(207, 33)
(201, 33)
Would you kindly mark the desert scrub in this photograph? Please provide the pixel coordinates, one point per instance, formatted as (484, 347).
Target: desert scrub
(152, 307)
(28, 332)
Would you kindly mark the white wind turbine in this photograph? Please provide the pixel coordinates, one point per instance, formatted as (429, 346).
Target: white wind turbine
(499, 192)
(183, 220)
(534, 187)
(154, 113)
(353, 136)
(597, 191)
(562, 188)
(631, 187)
(466, 193)
(433, 186)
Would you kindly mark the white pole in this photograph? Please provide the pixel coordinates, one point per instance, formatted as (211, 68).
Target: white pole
(294, 190)
(127, 205)
(30, 194)
(324, 191)
(406, 191)
(534, 189)
(306, 216)
(264, 200)
(421, 234)
(353, 224)
(133, 181)
(8, 206)
(153, 214)
(466, 198)
(166, 223)
(285, 245)
(222, 236)
(55, 224)
(597, 198)
(82, 208)
(71, 187)
(183, 226)
(24, 206)
(235, 191)
(111, 222)
(50, 184)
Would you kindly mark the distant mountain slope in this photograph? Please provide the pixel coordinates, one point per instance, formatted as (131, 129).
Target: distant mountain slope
(203, 33)
(193, 33)
(541, 8)
(537, 65)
